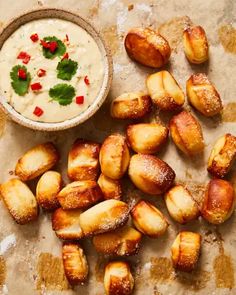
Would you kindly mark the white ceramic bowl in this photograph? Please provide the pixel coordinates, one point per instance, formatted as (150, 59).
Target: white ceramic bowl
(70, 16)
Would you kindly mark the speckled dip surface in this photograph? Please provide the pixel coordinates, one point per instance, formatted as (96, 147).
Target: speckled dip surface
(30, 255)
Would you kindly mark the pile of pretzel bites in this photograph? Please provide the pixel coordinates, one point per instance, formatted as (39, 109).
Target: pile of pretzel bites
(91, 205)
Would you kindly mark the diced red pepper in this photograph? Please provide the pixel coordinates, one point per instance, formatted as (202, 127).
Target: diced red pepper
(41, 73)
(22, 74)
(53, 46)
(67, 38)
(36, 86)
(24, 56)
(79, 99)
(86, 80)
(38, 111)
(65, 56)
(34, 37)
(45, 44)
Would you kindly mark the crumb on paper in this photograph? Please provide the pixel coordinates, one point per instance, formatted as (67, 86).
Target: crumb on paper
(40, 3)
(130, 7)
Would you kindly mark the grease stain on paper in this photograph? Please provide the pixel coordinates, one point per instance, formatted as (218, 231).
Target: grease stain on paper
(93, 11)
(161, 269)
(229, 112)
(111, 37)
(3, 119)
(173, 30)
(227, 37)
(196, 280)
(2, 271)
(51, 274)
(224, 271)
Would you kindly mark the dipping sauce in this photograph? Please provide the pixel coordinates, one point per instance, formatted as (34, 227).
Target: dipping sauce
(83, 74)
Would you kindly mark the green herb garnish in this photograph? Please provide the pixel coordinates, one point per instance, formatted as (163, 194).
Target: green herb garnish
(62, 93)
(61, 48)
(19, 85)
(66, 68)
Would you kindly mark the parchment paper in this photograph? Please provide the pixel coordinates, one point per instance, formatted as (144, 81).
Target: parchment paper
(30, 260)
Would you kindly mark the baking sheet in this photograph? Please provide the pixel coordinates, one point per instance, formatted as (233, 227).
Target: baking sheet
(30, 260)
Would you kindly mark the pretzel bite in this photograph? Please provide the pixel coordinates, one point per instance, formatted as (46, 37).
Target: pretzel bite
(114, 156)
(165, 92)
(222, 155)
(19, 200)
(185, 250)
(195, 44)
(36, 161)
(111, 188)
(75, 263)
(186, 133)
(203, 96)
(104, 217)
(118, 278)
(83, 163)
(80, 195)
(148, 219)
(146, 138)
(181, 205)
(131, 105)
(147, 47)
(150, 174)
(47, 189)
(66, 224)
(123, 241)
(219, 201)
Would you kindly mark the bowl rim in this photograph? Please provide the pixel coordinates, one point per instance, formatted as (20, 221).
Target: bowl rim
(104, 49)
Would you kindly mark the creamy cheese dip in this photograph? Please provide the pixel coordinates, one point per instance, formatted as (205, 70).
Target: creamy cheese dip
(81, 48)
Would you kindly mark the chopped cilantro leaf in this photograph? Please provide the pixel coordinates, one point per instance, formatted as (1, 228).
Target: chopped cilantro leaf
(66, 68)
(61, 48)
(19, 85)
(62, 93)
